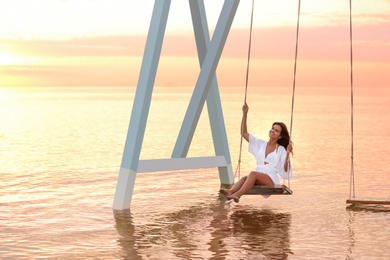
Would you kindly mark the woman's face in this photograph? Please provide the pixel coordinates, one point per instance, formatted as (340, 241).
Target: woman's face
(275, 131)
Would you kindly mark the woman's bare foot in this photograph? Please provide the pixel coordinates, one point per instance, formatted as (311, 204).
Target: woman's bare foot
(234, 197)
(225, 192)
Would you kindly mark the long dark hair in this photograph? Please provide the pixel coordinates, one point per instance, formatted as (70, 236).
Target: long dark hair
(285, 135)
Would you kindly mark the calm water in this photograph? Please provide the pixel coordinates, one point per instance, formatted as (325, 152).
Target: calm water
(61, 148)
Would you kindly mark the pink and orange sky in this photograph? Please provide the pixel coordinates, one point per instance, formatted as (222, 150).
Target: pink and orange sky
(101, 43)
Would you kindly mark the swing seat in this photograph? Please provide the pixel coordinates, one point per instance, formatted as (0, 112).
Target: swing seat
(269, 190)
(377, 201)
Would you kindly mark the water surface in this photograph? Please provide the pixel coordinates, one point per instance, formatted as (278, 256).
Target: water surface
(61, 148)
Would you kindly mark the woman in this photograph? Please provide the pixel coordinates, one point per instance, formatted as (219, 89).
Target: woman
(272, 158)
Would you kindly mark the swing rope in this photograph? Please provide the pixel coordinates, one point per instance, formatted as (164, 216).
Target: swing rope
(352, 175)
(295, 69)
(246, 91)
(294, 80)
(247, 79)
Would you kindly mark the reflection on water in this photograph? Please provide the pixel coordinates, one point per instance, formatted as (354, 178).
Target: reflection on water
(362, 215)
(368, 208)
(264, 231)
(206, 231)
(351, 234)
(127, 241)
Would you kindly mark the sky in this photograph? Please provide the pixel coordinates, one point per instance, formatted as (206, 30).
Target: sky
(101, 43)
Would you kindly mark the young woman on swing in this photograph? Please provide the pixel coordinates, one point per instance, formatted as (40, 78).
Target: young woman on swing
(272, 158)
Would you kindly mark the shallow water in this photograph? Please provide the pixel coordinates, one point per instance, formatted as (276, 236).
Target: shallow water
(61, 148)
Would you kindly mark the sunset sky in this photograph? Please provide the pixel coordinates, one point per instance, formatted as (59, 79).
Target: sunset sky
(101, 43)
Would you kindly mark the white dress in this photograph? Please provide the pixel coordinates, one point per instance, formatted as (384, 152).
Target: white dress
(275, 160)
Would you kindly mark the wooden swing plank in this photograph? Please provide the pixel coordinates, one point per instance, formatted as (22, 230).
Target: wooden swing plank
(270, 190)
(369, 201)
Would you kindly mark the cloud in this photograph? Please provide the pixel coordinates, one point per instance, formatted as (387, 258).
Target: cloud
(315, 42)
(117, 59)
(28, 70)
(88, 46)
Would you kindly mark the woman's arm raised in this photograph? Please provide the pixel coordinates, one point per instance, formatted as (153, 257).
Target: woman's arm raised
(244, 129)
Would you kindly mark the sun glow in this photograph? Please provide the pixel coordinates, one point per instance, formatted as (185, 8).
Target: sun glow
(9, 58)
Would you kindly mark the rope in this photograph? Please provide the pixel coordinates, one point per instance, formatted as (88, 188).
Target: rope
(246, 89)
(352, 175)
(295, 68)
(295, 75)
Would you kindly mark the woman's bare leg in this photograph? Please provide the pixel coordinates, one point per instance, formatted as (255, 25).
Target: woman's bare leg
(252, 178)
(238, 185)
(234, 188)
